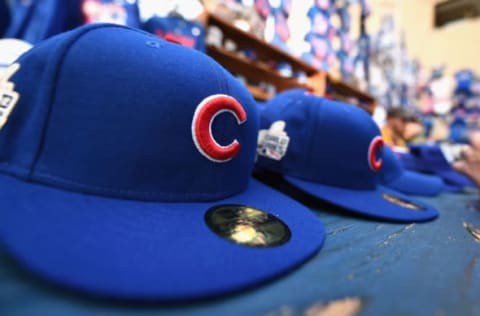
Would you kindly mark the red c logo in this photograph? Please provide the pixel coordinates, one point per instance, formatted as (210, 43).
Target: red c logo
(376, 143)
(203, 118)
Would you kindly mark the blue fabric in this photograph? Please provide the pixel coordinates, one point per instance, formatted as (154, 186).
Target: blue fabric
(432, 267)
(34, 21)
(326, 7)
(21, 12)
(395, 176)
(369, 202)
(464, 79)
(174, 28)
(75, 118)
(328, 154)
(105, 187)
(4, 16)
(428, 158)
(142, 250)
(49, 17)
(459, 131)
(345, 18)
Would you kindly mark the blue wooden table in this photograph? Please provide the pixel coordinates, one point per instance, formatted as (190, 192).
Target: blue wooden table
(374, 268)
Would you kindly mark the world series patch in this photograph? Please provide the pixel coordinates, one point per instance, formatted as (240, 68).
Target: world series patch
(273, 143)
(8, 96)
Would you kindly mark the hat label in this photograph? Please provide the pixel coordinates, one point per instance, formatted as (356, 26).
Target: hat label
(8, 96)
(247, 226)
(203, 118)
(403, 203)
(273, 143)
(374, 162)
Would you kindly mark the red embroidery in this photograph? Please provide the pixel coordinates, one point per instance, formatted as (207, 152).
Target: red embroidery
(374, 163)
(177, 39)
(203, 118)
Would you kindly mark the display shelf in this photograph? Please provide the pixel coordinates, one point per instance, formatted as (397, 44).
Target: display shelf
(254, 71)
(261, 71)
(338, 86)
(263, 50)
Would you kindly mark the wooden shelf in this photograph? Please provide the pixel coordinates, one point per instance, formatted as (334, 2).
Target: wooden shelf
(260, 71)
(263, 50)
(366, 101)
(253, 70)
(258, 93)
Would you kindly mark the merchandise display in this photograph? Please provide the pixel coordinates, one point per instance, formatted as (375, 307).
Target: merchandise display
(334, 152)
(394, 175)
(430, 159)
(239, 157)
(134, 192)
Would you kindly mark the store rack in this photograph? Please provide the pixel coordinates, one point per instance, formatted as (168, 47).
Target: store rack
(345, 91)
(262, 70)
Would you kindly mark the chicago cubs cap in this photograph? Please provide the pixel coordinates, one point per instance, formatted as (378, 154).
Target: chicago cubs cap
(34, 21)
(20, 14)
(430, 159)
(395, 176)
(125, 165)
(332, 151)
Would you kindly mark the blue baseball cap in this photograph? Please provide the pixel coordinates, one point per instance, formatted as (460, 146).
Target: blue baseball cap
(332, 151)
(20, 14)
(429, 159)
(47, 18)
(125, 165)
(4, 16)
(464, 79)
(34, 21)
(395, 176)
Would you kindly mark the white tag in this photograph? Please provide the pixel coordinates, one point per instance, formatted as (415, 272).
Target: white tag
(8, 96)
(273, 143)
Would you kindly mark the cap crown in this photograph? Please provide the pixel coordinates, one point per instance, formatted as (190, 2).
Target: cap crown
(331, 143)
(113, 111)
(392, 167)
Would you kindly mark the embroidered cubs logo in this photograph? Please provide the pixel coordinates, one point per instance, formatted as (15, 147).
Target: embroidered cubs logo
(374, 162)
(8, 96)
(203, 118)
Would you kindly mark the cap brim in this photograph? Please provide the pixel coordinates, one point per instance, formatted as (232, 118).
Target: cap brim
(452, 177)
(372, 203)
(146, 250)
(453, 188)
(415, 183)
